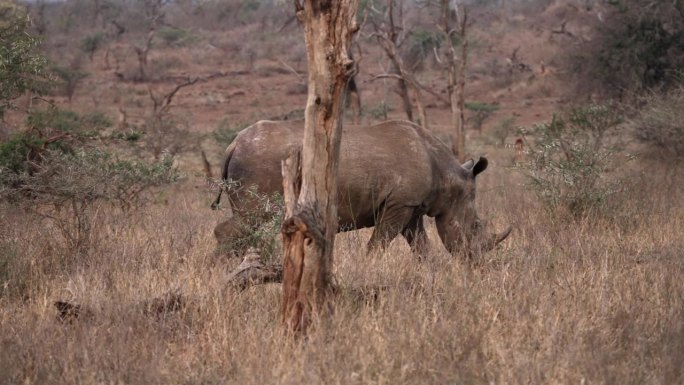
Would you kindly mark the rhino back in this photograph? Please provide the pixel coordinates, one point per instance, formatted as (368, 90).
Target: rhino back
(386, 164)
(259, 150)
(382, 166)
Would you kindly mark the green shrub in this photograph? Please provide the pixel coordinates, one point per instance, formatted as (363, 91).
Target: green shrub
(639, 47)
(49, 170)
(260, 222)
(67, 121)
(176, 37)
(49, 129)
(421, 45)
(21, 68)
(637, 55)
(247, 10)
(380, 111)
(70, 79)
(481, 111)
(96, 120)
(129, 136)
(15, 152)
(502, 130)
(64, 186)
(570, 164)
(90, 44)
(166, 133)
(426, 40)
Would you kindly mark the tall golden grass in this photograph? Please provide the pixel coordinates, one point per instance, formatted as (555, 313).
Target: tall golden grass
(598, 300)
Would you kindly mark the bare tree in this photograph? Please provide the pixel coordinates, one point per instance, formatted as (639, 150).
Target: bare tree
(456, 71)
(154, 13)
(390, 36)
(142, 51)
(311, 214)
(161, 125)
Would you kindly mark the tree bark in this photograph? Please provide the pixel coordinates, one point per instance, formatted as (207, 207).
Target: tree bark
(311, 223)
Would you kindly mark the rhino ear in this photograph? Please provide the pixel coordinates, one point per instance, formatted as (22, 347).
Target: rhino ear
(468, 164)
(480, 166)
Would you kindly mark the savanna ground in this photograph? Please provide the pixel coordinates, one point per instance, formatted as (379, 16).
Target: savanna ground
(594, 299)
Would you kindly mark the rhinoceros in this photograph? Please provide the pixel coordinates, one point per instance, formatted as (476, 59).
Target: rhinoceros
(391, 174)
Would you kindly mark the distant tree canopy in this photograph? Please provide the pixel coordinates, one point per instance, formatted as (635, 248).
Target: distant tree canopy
(21, 67)
(642, 46)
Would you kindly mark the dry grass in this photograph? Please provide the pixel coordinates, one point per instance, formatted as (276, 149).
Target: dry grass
(564, 301)
(593, 301)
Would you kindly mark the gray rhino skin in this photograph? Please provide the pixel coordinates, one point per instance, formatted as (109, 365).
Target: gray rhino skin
(390, 175)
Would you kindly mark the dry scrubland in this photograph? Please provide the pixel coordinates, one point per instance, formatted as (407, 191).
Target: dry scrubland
(591, 301)
(597, 299)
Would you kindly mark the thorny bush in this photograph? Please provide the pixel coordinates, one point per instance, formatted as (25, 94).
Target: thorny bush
(260, 221)
(50, 170)
(570, 161)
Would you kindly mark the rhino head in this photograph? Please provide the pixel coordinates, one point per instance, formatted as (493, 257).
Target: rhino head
(459, 226)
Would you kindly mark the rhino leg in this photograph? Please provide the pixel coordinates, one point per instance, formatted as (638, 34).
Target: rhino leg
(416, 236)
(391, 222)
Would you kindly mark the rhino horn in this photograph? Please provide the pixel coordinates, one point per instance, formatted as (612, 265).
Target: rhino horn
(503, 235)
(494, 239)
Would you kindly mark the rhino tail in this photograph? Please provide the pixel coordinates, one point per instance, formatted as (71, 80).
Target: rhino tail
(224, 173)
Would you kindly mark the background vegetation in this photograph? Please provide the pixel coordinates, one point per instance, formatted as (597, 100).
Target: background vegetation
(107, 104)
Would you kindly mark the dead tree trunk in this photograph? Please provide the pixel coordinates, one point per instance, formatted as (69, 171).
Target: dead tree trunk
(311, 219)
(390, 41)
(456, 75)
